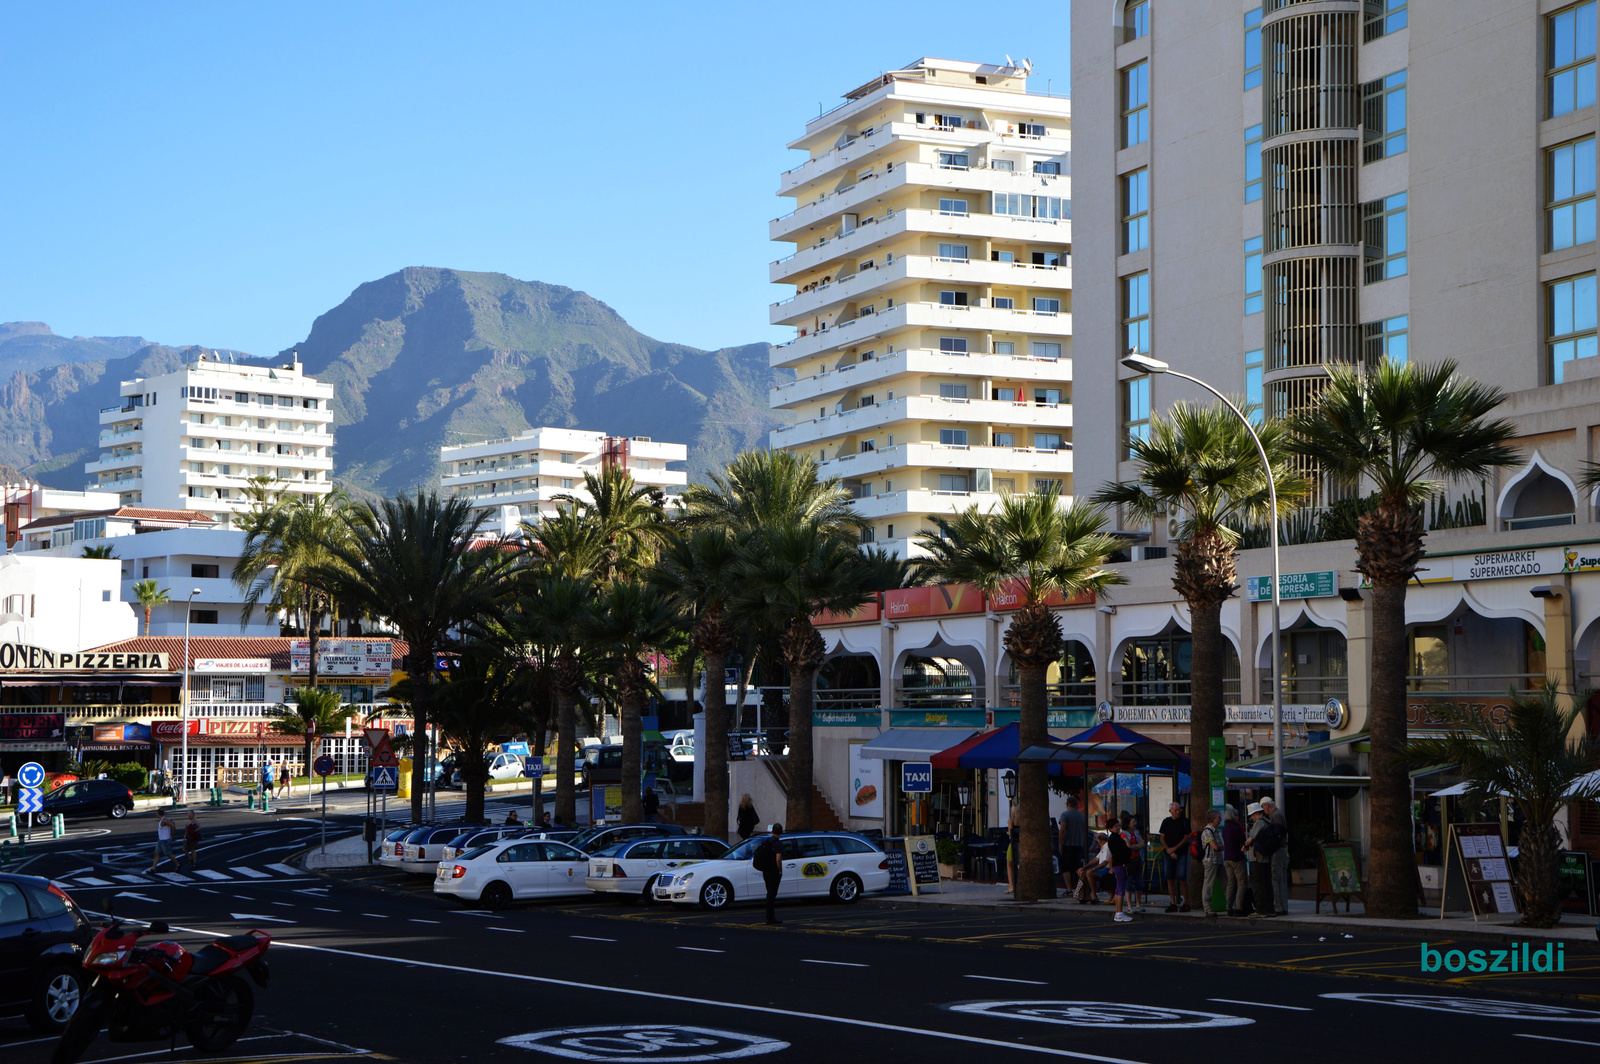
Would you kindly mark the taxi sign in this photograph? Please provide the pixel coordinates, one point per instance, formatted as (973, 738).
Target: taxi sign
(916, 777)
(533, 767)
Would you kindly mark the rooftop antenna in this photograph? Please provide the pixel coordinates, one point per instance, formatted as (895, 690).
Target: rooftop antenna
(1027, 66)
(1009, 63)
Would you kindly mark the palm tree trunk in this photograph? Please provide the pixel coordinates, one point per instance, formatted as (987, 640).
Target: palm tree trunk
(1206, 718)
(1392, 891)
(421, 683)
(630, 708)
(715, 755)
(473, 777)
(1033, 798)
(147, 620)
(1538, 874)
(567, 677)
(804, 651)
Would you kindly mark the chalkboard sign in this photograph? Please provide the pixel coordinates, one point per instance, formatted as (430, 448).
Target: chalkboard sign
(735, 748)
(1338, 875)
(923, 852)
(899, 869)
(1574, 883)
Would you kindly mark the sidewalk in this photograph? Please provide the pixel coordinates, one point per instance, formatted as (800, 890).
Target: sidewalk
(964, 894)
(348, 852)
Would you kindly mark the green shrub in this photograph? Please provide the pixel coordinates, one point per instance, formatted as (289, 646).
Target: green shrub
(949, 851)
(130, 774)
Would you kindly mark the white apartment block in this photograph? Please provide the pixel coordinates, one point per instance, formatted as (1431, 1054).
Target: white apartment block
(519, 478)
(932, 302)
(193, 439)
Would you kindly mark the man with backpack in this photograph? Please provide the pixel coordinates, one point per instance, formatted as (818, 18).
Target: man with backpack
(768, 860)
(1261, 844)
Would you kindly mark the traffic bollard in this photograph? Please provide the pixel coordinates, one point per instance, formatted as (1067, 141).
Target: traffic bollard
(5, 853)
(266, 802)
(250, 800)
(58, 826)
(14, 831)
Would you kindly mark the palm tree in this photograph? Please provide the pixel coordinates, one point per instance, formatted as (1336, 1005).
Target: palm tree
(626, 619)
(629, 520)
(1036, 546)
(1199, 462)
(786, 574)
(1398, 426)
(553, 608)
(150, 596)
(476, 702)
(761, 488)
(410, 560)
(287, 539)
(317, 712)
(98, 552)
(698, 571)
(1537, 762)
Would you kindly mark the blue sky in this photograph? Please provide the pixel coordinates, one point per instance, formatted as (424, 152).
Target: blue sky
(222, 173)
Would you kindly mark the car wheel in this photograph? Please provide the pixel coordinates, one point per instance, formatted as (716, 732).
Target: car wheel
(716, 894)
(846, 888)
(57, 998)
(42, 820)
(118, 811)
(495, 896)
(647, 896)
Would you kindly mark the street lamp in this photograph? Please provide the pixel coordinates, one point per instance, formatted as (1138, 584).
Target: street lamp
(183, 725)
(1146, 364)
(1008, 780)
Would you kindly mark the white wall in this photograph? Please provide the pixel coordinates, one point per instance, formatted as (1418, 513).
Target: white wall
(68, 603)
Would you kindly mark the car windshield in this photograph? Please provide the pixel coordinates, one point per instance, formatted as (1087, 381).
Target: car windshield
(609, 851)
(419, 834)
(474, 854)
(745, 850)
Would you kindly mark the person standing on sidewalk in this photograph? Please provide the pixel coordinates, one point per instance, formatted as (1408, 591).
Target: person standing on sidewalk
(1260, 863)
(747, 817)
(1121, 855)
(1233, 860)
(266, 779)
(768, 860)
(1212, 849)
(1280, 856)
(1175, 841)
(1074, 840)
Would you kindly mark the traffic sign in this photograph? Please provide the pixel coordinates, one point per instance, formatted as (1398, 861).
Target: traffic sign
(384, 778)
(533, 767)
(30, 800)
(916, 777)
(383, 755)
(31, 775)
(323, 765)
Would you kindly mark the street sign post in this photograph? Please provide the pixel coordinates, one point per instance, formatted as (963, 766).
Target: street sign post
(31, 775)
(533, 768)
(916, 777)
(324, 767)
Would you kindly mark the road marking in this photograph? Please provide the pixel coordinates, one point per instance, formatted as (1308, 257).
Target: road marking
(285, 904)
(255, 916)
(68, 875)
(90, 881)
(1543, 1038)
(209, 873)
(320, 909)
(413, 919)
(698, 949)
(657, 995)
(139, 880)
(842, 964)
(513, 930)
(591, 938)
(376, 916)
(1262, 1004)
(250, 873)
(207, 890)
(1003, 979)
(137, 897)
(288, 870)
(1120, 1015)
(174, 877)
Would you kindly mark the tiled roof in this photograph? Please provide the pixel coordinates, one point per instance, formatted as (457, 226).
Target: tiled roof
(275, 648)
(138, 514)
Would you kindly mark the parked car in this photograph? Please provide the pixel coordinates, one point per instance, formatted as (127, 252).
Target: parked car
(389, 845)
(86, 798)
(42, 935)
(629, 869)
(513, 870)
(597, 838)
(420, 851)
(602, 764)
(472, 838)
(500, 767)
(816, 864)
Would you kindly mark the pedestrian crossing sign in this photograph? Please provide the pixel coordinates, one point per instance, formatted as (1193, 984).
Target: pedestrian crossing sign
(385, 777)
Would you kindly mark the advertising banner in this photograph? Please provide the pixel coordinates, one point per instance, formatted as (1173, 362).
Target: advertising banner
(32, 727)
(172, 730)
(866, 785)
(343, 657)
(1293, 586)
(203, 666)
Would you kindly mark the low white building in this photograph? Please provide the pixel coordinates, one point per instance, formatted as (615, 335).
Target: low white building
(67, 604)
(519, 478)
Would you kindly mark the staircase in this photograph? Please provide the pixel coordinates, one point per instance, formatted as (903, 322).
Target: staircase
(823, 816)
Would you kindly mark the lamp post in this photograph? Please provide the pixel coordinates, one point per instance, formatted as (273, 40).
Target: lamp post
(1146, 364)
(1008, 780)
(183, 724)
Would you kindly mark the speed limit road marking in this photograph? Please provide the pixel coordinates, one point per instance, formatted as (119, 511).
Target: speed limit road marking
(656, 1043)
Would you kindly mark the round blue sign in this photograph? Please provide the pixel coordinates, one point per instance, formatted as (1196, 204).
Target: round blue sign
(31, 774)
(323, 765)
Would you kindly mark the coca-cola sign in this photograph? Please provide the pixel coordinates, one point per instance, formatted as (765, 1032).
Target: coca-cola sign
(173, 729)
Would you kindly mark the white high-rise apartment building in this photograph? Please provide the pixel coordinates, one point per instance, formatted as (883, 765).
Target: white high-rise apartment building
(932, 302)
(194, 438)
(519, 478)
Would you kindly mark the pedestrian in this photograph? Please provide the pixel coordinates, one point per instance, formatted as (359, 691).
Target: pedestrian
(1260, 861)
(1233, 860)
(1120, 854)
(266, 779)
(1074, 840)
(1280, 856)
(1088, 886)
(1211, 847)
(544, 822)
(285, 778)
(768, 860)
(512, 820)
(1175, 832)
(747, 818)
(1134, 837)
(651, 805)
(164, 844)
(1011, 850)
(191, 841)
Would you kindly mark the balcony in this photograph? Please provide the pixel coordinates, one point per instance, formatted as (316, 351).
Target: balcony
(922, 360)
(105, 465)
(218, 456)
(869, 328)
(108, 438)
(934, 408)
(1001, 460)
(920, 502)
(117, 484)
(862, 148)
(893, 225)
(906, 268)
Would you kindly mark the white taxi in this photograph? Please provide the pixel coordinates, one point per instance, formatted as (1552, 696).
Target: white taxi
(513, 870)
(816, 864)
(629, 869)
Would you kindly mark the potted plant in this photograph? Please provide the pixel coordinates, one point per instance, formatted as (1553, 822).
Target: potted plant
(949, 857)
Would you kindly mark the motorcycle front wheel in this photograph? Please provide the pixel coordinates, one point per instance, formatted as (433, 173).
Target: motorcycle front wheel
(83, 1028)
(222, 1013)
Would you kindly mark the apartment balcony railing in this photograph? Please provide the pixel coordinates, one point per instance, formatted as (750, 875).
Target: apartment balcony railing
(1492, 685)
(1058, 695)
(848, 698)
(939, 696)
(1168, 692)
(1306, 690)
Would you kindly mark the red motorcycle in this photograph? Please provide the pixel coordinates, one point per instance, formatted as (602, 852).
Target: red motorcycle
(150, 993)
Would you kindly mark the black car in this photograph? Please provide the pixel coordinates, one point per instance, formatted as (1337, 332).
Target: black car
(600, 836)
(87, 798)
(42, 935)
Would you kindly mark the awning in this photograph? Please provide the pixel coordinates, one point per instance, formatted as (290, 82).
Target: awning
(991, 749)
(1158, 756)
(914, 744)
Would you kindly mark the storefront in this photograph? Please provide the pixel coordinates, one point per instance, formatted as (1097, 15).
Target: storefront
(58, 707)
(920, 814)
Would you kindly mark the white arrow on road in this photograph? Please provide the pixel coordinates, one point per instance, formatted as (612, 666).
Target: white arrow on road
(137, 897)
(266, 919)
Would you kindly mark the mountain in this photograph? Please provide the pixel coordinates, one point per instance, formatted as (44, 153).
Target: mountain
(420, 358)
(426, 357)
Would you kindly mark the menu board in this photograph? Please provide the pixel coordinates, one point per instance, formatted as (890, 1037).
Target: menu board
(1480, 869)
(1339, 875)
(899, 867)
(1574, 882)
(923, 853)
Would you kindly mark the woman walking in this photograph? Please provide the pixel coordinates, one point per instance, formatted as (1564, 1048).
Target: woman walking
(747, 819)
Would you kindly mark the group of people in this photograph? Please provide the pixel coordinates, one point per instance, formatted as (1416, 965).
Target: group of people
(547, 822)
(1251, 860)
(165, 830)
(281, 773)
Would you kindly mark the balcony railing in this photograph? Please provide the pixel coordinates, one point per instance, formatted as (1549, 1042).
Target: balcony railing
(1168, 692)
(1491, 685)
(939, 696)
(848, 698)
(1078, 695)
(1307, 690)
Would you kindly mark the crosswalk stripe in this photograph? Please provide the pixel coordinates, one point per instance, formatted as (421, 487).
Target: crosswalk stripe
(132, 879)
(288, 870)
(174, 877)
(209, 873)
(90, 881)
(249, 873)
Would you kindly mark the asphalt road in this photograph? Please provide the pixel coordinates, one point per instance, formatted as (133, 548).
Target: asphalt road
(375, 966)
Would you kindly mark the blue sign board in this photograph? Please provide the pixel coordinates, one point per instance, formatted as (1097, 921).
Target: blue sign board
(30, 800)
(385, 777)
(323, 765)
(31, 775)
(916, 777)
(533, 768)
